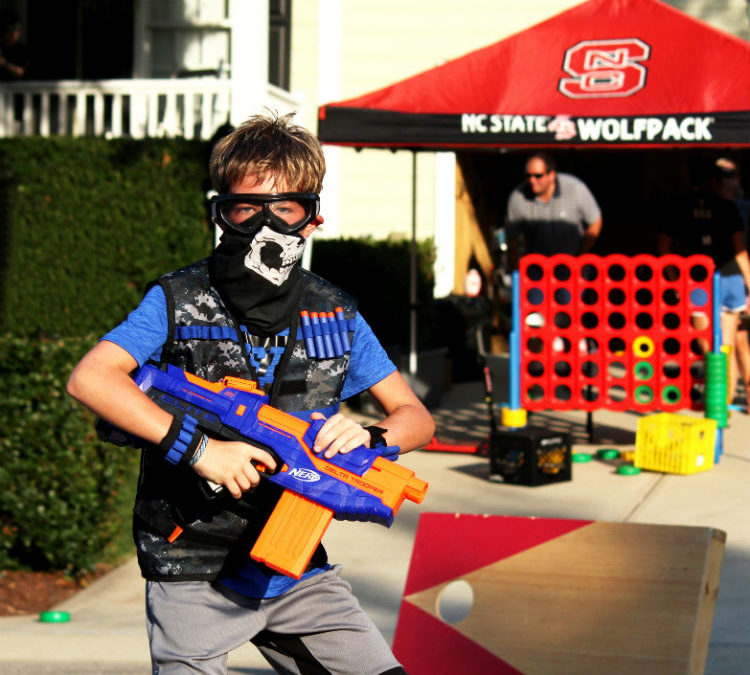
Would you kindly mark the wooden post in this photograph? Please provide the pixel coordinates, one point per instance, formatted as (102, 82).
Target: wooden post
(469, 237)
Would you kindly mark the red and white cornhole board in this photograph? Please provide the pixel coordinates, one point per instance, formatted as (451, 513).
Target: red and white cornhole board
(559, 596)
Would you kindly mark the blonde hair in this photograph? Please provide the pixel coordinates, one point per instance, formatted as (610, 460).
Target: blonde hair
(268, 146)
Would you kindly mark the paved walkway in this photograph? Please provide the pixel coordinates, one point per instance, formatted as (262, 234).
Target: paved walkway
(106, 633)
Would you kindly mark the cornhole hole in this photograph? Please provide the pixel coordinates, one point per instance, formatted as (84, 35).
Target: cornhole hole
(509, 595)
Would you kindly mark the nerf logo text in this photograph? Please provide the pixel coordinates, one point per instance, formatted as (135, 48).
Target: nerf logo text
(305, 475)
(604, 68)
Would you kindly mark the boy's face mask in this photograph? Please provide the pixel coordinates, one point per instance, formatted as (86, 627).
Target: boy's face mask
(261, 231)
(272, 255)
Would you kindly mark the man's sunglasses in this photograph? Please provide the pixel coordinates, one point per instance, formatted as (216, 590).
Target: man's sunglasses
(536, 175)
(285, 212)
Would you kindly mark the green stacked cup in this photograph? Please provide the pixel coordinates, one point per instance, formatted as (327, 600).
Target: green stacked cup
(716, 388)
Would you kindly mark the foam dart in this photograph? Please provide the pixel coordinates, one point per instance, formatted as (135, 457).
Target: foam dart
(628, 470)
(307, 333)
(338, 348)
(580, 457)
(325, 329)
(320, 348)
(343, 329)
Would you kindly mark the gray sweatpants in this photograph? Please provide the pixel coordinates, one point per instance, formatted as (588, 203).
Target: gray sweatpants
(317, 627)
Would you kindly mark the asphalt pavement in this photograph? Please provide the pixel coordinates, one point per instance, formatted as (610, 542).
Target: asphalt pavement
(106, 632)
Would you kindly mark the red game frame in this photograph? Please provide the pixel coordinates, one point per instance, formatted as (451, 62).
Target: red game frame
(615, 332)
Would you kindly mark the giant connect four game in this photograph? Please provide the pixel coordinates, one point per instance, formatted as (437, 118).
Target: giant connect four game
(615, 332)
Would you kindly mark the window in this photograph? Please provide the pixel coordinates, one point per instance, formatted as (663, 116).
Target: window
(279, 34)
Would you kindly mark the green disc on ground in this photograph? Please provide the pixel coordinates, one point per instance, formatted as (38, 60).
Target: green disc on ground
(54, 617)
(628, 470)
(608, 453)
(580, 457)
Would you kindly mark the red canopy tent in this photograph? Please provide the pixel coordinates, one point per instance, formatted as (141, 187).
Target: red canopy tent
(608, 73)
(603, 74)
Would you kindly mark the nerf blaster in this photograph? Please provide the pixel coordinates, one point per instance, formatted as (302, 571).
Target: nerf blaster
(358, 485)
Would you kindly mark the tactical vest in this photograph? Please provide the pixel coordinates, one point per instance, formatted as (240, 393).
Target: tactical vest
(206, 340)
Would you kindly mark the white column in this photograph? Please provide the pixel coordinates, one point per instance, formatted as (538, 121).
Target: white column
(329, 89)
(445, 222)
(249, 69)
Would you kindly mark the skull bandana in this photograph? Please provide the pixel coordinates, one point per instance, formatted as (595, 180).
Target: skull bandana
(256, 276)
(273, 255)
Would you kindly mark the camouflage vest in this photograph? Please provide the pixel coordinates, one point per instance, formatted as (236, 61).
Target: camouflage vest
(206, 340)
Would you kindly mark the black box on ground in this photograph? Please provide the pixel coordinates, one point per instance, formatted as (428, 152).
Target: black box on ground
(530, 456)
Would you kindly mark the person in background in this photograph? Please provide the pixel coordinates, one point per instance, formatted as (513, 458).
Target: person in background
(550, 213)
(705, 222)
(729, 187)
(14, 58)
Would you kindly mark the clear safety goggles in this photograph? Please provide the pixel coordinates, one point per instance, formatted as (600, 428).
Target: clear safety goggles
(285, 212)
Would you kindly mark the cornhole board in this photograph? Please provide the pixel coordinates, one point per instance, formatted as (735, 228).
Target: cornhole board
(509, 595)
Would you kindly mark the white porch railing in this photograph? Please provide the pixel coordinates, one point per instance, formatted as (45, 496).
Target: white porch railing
(191, 108)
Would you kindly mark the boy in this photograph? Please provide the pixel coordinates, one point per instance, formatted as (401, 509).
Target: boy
(237, 313)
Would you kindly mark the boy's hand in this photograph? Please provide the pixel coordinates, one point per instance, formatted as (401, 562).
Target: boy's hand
(339, 434)
(230, 463)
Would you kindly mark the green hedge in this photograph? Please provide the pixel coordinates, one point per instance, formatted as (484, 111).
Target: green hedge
(377, 273)
(86, 223)
(65, 497)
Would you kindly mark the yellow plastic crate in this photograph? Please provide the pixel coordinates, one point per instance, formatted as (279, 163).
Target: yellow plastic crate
(675, 443)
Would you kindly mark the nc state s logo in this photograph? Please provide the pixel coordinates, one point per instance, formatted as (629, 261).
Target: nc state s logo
(604, 68)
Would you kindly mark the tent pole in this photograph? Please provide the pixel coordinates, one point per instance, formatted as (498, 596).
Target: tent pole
(413, 270)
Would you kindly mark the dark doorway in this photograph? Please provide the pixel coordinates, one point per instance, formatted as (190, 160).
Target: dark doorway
(81, 40)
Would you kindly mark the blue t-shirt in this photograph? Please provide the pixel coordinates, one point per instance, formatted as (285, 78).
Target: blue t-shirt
(144, 333)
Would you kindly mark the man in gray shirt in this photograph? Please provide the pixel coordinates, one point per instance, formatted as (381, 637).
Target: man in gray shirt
(551, 212)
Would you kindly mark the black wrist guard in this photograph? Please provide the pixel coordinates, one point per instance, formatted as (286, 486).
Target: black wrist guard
(182, 439)
(376, 436)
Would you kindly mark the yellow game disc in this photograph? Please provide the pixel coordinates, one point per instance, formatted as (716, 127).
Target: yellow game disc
(643, 346)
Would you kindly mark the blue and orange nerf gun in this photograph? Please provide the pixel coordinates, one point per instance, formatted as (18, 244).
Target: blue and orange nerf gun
(358, 485)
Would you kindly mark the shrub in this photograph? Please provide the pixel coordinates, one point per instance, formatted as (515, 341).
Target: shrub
(86, 223)
(63, 490)
(377, 273)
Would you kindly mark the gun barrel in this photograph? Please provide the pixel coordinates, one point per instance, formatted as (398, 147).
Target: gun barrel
(415, 490)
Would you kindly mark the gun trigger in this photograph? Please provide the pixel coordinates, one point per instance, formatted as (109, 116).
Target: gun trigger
(262, 468)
